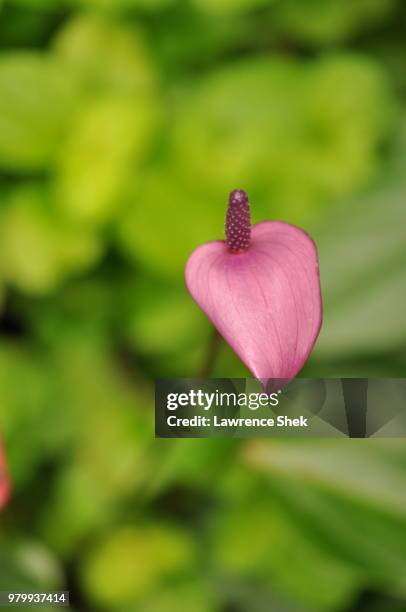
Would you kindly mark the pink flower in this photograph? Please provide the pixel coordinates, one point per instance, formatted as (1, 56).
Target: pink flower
(261, 289)
(4, 480)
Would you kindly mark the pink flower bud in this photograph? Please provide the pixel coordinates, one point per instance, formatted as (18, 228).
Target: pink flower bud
(4, 480)
(261, 289)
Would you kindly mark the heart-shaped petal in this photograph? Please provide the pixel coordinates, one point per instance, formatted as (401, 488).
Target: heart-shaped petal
(265, 301)
(4, 480)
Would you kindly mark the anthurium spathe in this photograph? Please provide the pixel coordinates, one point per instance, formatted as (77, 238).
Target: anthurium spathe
(4, 480)
(260, 287)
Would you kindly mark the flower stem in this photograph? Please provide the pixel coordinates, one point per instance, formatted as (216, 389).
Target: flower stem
(211, 353)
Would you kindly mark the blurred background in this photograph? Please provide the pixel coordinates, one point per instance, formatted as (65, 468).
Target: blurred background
(124, 124)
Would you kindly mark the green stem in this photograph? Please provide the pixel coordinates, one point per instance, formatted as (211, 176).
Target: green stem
(211, 354)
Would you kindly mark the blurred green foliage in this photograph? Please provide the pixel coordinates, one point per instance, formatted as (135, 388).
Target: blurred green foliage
(37, 96)
(123, 126)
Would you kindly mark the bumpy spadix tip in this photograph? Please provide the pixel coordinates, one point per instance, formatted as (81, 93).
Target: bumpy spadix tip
(238, 222)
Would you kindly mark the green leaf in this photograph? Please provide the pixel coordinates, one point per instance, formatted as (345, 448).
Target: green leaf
(319, 22)
(351, 497)
(162, 318)
(231, 7)
(22, 414)
(102, 153)
(165, 220)
(195, 595)
(38, 248)
(363, 275)
(27, 566)
(132, 561)
(39, 5)
(277, 128)
(122, 5)
(108, 57)
(109, 426)
(260, 540)
(37, 98)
